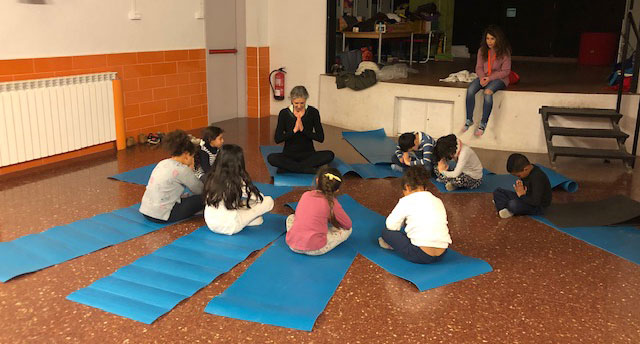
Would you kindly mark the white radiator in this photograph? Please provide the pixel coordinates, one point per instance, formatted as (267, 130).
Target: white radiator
(44, 117)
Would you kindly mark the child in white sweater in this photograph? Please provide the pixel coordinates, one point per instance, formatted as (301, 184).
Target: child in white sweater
(232, 202)
(426, 236)
(468, 170)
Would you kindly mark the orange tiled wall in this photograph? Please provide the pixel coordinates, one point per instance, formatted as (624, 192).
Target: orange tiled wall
(163, 90)
(258, 89)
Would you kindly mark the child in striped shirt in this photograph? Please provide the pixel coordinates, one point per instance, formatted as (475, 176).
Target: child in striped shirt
(414, 149)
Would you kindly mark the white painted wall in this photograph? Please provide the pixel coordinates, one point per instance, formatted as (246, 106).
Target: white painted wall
(85, 27)
(515, 124)
(257, 23)
(297, 41)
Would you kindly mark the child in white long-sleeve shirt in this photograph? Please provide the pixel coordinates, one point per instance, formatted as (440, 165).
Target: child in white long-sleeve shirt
(232, 201)
(426, 236)
(468, 171)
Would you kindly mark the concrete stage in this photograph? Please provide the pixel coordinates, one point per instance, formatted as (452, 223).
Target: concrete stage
(421, 102)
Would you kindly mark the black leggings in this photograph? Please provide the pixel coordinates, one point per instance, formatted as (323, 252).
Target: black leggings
(183, 210)
(306, 162)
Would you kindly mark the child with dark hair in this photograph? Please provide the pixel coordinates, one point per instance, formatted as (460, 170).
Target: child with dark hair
(319, 224)
(212, 140)
(163, 199)
(468, 171)
(532, 190)
(414, 149)
(426, 235)
(232, 201)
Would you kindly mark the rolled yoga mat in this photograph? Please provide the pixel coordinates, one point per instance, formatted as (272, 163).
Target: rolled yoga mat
(492, 181)
(141, 176)
(299, 179)
(154, 284)
(61, 243)
(623, 241)
(284, 288)
(373, 145)
(367, 227)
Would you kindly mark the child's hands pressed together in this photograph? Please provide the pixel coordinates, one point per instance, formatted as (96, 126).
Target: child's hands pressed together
(406, 159)
(442, 165)
(521, 190)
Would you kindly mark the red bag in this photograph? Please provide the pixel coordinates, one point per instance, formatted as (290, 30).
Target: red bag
(513, 78)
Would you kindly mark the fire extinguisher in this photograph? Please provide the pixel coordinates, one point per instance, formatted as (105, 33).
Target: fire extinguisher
(277, 86)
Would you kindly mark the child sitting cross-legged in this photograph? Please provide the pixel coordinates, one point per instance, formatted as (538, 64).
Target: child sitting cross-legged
(468, 170)
(211, 142)
(319, 224)
(532, 191)
(232, 201)
(413, 149)
(426, 236)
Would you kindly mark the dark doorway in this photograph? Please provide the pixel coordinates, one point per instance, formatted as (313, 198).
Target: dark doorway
(546, 28)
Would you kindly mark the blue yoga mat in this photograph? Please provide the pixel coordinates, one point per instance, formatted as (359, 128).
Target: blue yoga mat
(136, 176)
(284, 288)
(59, 244)
(492, 181)
(374, 145)
(623, 241)
(141, 176)
(153, 284)
(299, 179)
(367, 226)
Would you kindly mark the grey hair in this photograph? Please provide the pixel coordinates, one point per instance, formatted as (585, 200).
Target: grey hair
(299, 92)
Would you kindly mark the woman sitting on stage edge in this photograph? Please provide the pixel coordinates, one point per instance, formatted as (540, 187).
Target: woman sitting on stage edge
(493, 66)
(298, 126)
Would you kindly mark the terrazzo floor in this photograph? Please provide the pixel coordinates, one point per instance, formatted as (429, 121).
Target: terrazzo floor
(546, 287)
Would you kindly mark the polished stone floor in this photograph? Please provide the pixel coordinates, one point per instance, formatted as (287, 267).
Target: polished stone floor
(546, 287)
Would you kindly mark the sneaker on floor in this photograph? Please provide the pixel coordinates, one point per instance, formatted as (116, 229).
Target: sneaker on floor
(384, 244)
(153, 139)
(505, 213)
(466, 126)
(257, 221)
(449, 186)
(397, 168)
(479, 132)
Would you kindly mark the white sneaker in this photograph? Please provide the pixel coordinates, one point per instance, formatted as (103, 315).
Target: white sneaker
(257, 221)
(505, 213)
(384, 244)
(397, 168)
(449, 186)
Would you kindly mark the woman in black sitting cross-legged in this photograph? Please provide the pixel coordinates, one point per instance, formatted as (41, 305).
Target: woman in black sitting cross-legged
(298, 125)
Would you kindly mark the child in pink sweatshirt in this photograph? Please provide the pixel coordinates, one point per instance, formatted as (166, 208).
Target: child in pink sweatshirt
(319, 224)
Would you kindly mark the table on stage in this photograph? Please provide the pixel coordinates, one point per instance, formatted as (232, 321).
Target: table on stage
(379, 36)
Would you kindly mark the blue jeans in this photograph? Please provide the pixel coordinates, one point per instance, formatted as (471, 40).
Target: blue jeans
(510, 200)
(474, 87)
(183, 210)
(403, 246)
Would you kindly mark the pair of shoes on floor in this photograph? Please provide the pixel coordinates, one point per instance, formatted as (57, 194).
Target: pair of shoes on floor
(505, 213)
(384, 244)
(449, 186)
(153, 139)
(257, 221)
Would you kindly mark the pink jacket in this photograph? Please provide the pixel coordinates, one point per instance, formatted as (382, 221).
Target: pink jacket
(500, 67)
(310, 226)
